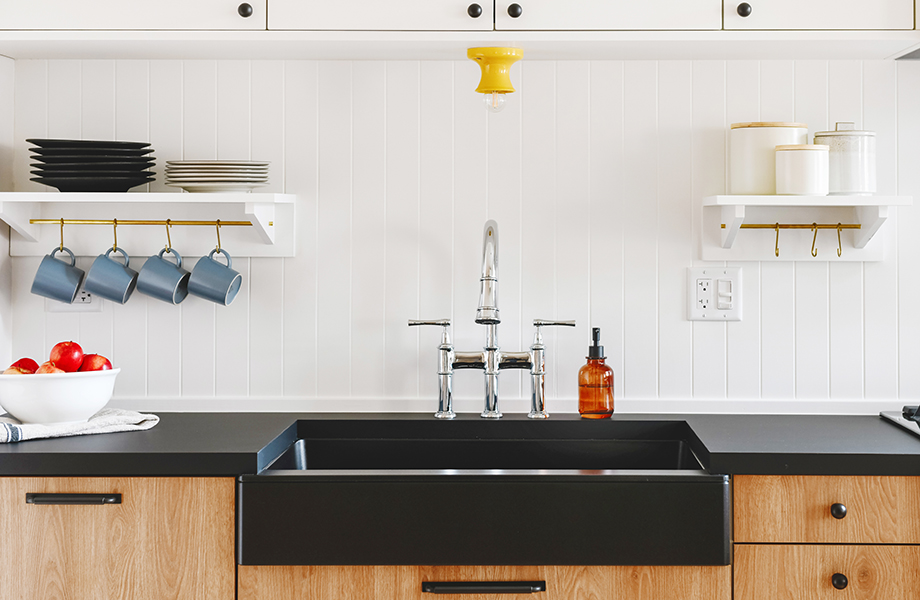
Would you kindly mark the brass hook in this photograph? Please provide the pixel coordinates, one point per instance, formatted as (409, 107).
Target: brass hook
(814, 251)
(62, 234)
(839, 243)
(168, 240)
(218, 236)
(777, 240)
(115, 234)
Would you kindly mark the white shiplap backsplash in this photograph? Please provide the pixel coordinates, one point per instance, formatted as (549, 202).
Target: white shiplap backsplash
(595, 173)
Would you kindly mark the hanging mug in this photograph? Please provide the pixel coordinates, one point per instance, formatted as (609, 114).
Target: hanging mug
(163, 279)
(215, 281)
(110, 279)
(57, 279)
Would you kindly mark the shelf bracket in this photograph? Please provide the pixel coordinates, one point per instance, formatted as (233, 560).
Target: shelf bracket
(871, 219)
(732, 218)
(262, 217)
(17, 215)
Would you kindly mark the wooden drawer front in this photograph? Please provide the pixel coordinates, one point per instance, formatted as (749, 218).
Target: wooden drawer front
(405, 582)
(781, 572)
(168, 538)
(794, 509)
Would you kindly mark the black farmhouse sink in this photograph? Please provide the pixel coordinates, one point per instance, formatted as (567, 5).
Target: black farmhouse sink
(421, 491)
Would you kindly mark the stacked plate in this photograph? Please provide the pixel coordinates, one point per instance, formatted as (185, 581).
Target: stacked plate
(91, 165)
(216, 175)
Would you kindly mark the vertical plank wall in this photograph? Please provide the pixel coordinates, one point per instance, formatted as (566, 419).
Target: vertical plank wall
(594, 172)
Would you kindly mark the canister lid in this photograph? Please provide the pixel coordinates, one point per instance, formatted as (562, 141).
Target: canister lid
(818, 147)
(767, 124)
(845, 128)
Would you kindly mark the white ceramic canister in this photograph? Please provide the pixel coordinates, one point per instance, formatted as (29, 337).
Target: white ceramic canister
(753, 153)
(852, 159)
(802, 170)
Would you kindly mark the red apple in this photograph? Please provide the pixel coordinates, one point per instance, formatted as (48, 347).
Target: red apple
(95, 362)
(67, 356)
(17, 371)
(49, 367)
(26, 364)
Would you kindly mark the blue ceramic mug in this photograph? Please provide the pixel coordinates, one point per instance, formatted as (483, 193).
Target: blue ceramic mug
(163, 279)
(57, 279)
(215, 281)
(110, 279)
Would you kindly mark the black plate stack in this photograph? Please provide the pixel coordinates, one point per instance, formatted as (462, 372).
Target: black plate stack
(91, 165)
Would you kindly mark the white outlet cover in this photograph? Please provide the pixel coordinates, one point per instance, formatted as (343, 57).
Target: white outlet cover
(84, 303)
(730, 277)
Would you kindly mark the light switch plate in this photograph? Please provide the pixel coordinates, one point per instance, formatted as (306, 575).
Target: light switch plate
(714, 293)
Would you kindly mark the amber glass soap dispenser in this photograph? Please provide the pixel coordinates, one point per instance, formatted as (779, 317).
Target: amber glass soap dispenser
(595, 382)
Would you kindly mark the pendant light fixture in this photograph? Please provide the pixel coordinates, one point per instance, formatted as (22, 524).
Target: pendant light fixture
(496, 68)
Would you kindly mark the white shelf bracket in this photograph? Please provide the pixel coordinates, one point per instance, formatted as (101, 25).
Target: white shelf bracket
(17, 216)
(262, 216)
(870, 219)
(732, 218)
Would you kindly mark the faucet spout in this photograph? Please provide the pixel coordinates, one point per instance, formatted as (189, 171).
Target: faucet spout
(487, 313)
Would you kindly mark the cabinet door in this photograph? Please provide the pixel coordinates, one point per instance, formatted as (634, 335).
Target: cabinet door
(406, 582)
(408, 15)
(778, 572)
(547, 15)
(168, 538)
(819, 14)
(122, 14)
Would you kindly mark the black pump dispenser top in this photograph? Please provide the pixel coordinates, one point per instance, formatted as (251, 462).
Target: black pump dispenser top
(595, 350)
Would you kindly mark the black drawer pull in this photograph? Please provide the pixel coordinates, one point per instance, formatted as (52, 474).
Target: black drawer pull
(839, 581)
(483, 587)
(838, 511)
(73, 498)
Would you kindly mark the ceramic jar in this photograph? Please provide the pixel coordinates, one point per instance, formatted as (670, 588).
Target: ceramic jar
(802, 170)
(753, 153)
(852, 159)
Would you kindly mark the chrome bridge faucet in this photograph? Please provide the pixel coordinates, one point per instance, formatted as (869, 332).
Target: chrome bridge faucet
(491, 360)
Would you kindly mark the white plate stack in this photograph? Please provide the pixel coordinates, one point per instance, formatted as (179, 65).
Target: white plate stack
(216, 175)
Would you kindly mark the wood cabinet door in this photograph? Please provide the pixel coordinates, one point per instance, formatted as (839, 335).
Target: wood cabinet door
(169, 538)
(612, 15)
(781, 572)
(355, 15)
(406, 582)
(819, 14)
(123, 14)
(800, 509)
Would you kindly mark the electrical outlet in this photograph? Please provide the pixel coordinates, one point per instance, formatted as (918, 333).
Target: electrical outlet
(84, 302)
(714, 293)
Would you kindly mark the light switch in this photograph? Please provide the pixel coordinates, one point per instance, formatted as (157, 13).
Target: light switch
(714, 293)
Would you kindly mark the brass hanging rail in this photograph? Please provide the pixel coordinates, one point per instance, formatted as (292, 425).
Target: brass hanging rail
(138, 222)
(785, 226)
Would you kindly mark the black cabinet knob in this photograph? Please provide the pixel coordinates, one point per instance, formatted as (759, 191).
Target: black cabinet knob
(474, 10)
(839, 581)
(515, 11)
(838, 511)
(245, 9)
(745, 10)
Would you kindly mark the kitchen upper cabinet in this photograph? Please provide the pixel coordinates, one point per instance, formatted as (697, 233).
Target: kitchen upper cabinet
(819, 14)
(465, 582)
(120, 14)
(357, 15)
(167, 538)
(613, 15)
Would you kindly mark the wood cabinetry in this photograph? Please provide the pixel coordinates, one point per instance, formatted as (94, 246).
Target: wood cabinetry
(818, 14)
(168, 538)
(551, 15)
(834, 537)
(405, 582)
(357, 15)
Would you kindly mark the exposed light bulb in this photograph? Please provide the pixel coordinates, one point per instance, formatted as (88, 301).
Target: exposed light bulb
(494, 101)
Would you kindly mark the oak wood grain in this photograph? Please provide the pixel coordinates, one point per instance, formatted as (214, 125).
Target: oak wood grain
(562, 582)
(170, 538)
(797, 509)
(796, 572)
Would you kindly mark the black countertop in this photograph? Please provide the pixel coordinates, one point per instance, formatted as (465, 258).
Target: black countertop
(230, 444)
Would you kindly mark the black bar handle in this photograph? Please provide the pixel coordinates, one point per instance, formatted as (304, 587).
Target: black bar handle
(483, 587)
(73, 498)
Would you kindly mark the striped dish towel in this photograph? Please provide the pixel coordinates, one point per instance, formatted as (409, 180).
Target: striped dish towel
(107, 420)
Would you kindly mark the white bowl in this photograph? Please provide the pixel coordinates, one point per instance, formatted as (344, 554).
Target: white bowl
(57, 397)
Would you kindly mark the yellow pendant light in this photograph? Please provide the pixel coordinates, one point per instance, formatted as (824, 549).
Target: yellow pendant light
(496, 69)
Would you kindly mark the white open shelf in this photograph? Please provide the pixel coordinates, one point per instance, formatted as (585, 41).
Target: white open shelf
(271, 215)
(724, 215)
